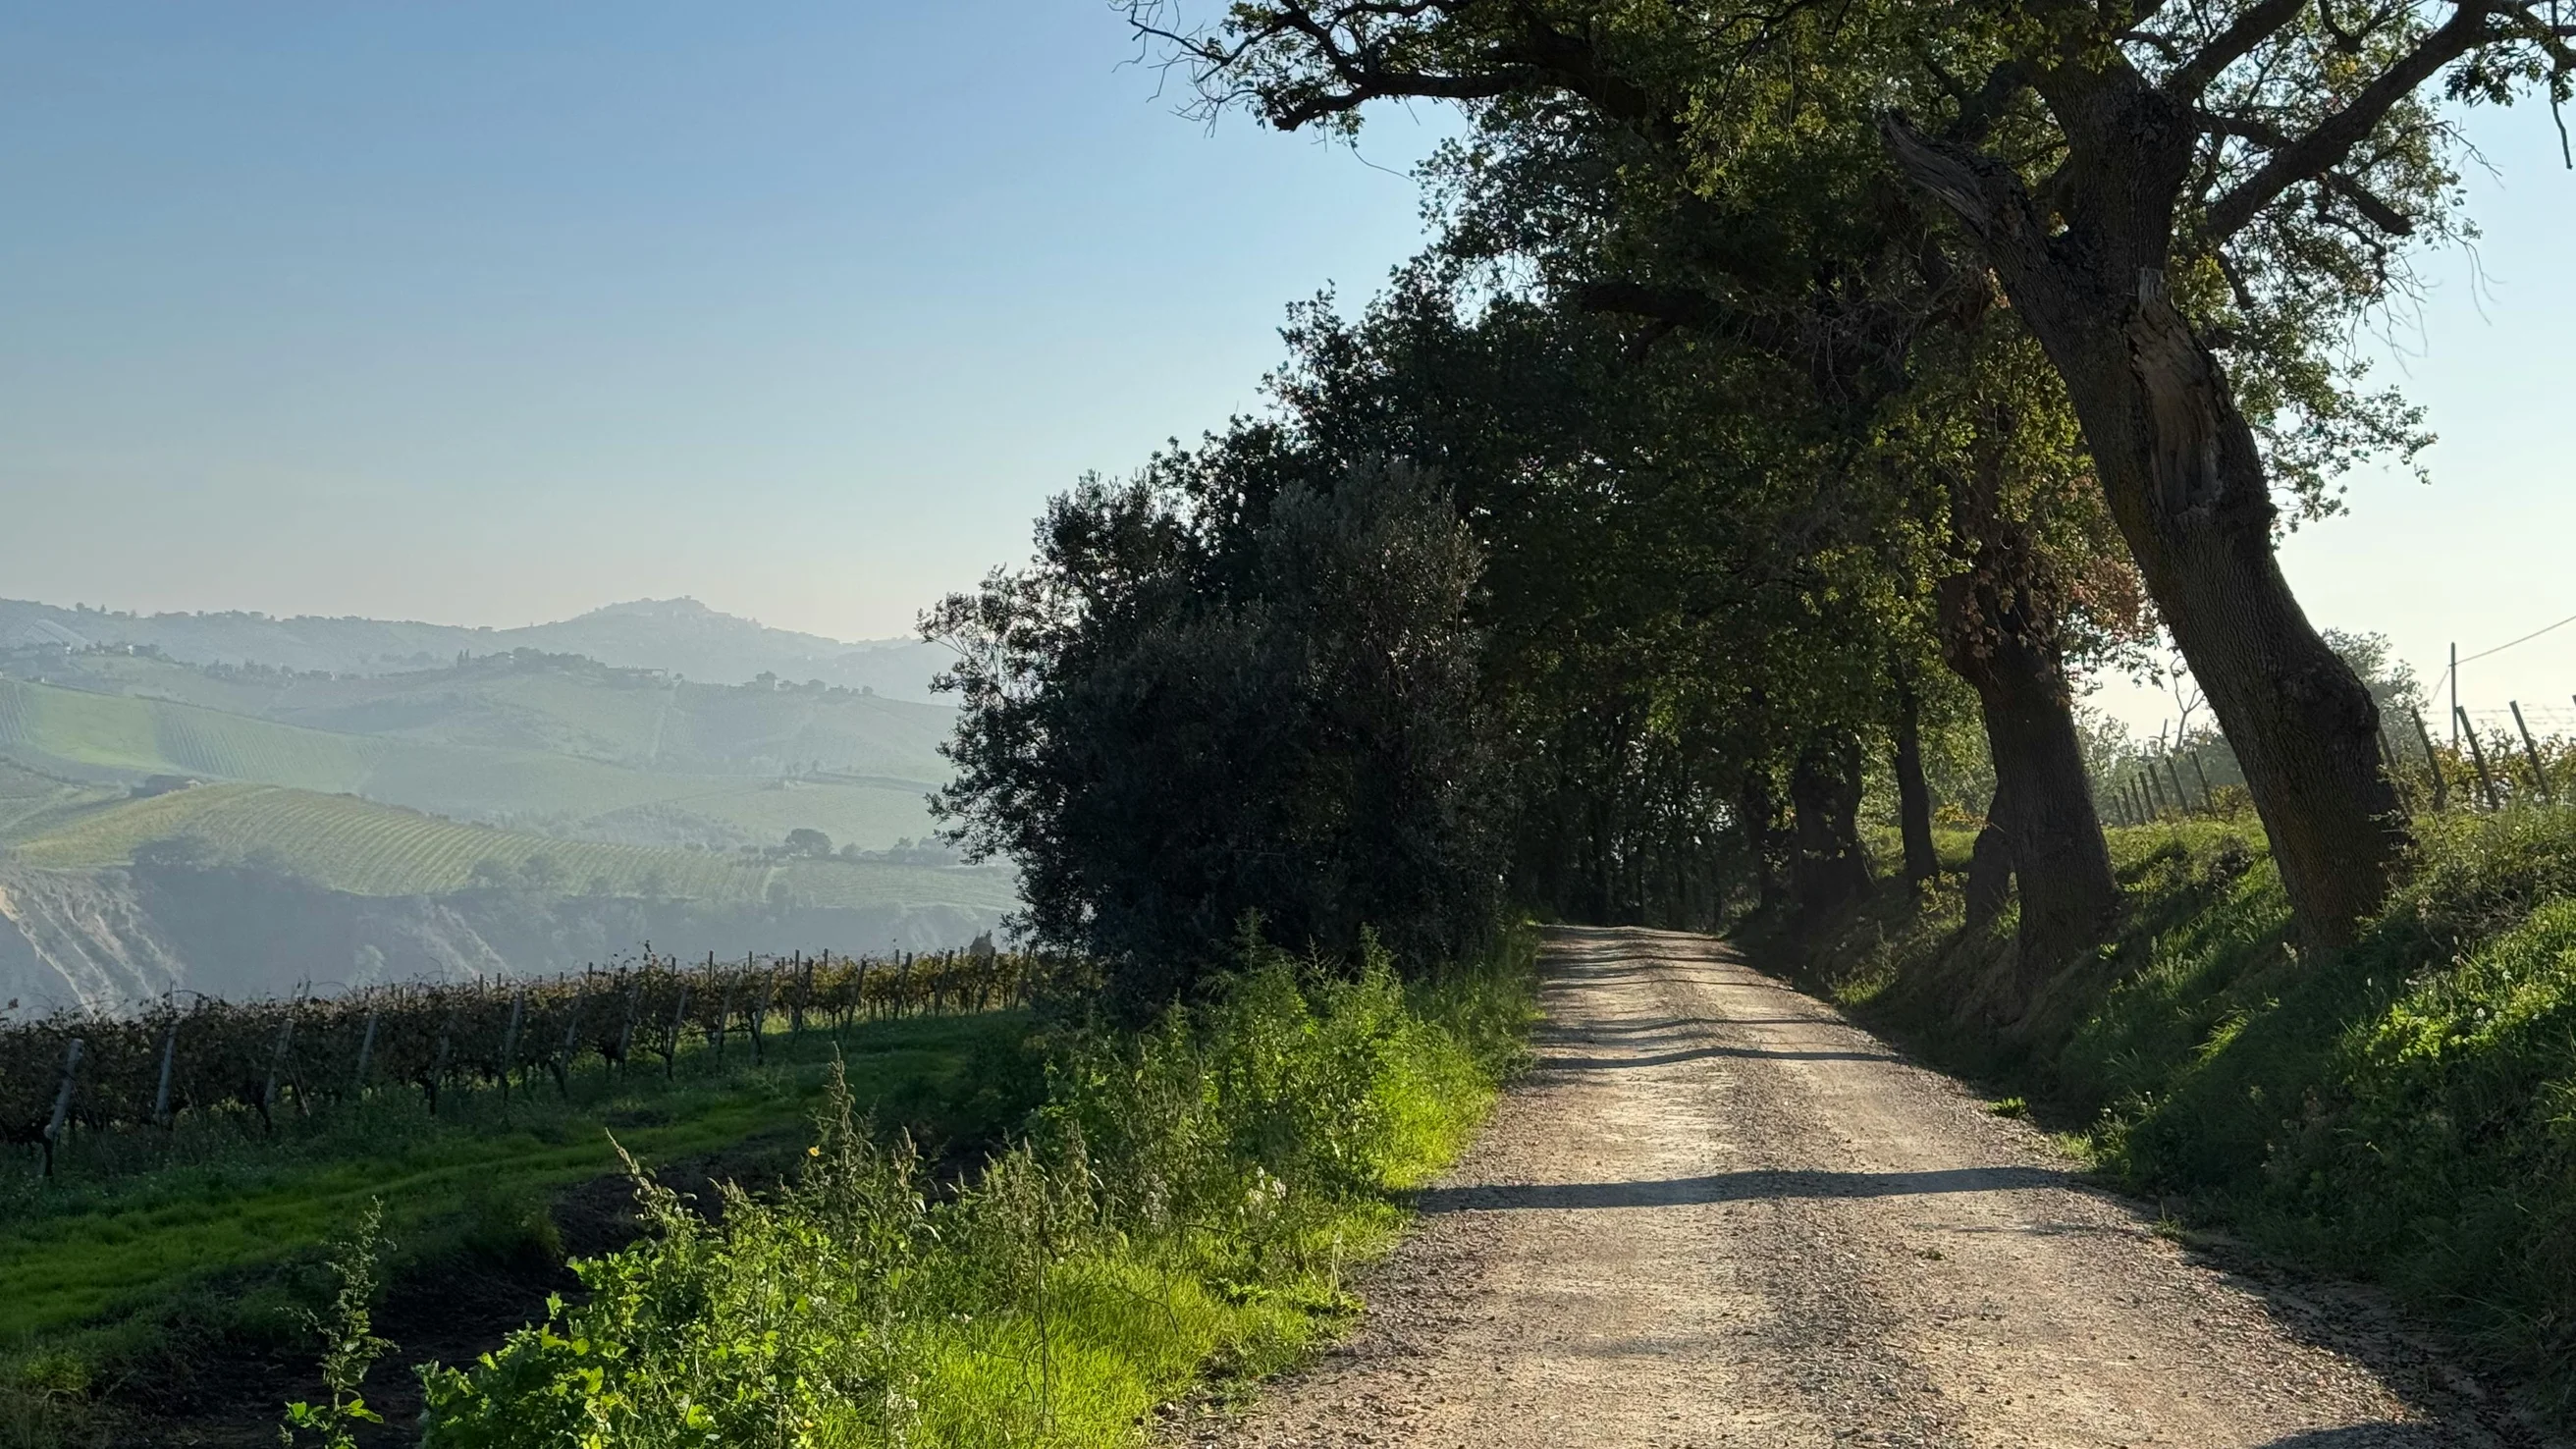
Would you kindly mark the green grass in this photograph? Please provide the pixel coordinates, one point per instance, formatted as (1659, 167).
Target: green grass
(116, 738)
(2403, 1110)
(1182, 1210)
(366, 848)
(137, 1237)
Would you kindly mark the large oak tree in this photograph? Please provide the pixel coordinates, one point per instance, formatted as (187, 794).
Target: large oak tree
(2150, 183)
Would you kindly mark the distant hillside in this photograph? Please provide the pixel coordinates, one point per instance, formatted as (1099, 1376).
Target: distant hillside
(360, 847)
(71, 736)
(680, 636)
(557, 703)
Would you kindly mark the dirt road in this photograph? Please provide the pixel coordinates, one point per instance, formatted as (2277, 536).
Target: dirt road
(1718, 1214)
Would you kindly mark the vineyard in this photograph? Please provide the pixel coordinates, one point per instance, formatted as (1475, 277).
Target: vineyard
(120, 737)
(366, 848)
(252, 1061)
(556, 705)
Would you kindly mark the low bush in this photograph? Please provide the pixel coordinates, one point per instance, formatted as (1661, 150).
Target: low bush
(1184, 1204)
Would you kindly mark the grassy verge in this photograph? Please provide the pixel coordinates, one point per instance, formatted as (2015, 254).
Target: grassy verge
(149, 1260)
(2404, 1110)
(1183, 1207)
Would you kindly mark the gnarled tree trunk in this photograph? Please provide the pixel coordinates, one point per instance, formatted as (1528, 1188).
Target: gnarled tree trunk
(2042, 821)
(1828, 869)
(1913, 795)
(1990, 867)
(2185, 481)
(2000, 626)
(1757, 813)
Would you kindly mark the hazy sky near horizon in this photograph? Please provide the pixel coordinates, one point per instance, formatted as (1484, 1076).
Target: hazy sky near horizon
(491, 313)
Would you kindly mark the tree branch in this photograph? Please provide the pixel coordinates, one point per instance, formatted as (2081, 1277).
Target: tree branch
(2230, 46)
(2322, 149)
(2382, 215)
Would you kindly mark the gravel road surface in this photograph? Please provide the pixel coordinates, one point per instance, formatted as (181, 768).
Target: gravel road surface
(1716, 1213)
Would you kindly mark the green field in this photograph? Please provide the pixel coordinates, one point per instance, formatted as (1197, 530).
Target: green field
(127, 1261)
(118, 738)
(366, 848)
(559, 705)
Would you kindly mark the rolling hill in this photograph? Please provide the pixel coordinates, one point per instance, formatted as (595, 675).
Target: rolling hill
(76, 735)
(342, 843)
(555, 703)
(237, 804)
(679, 636)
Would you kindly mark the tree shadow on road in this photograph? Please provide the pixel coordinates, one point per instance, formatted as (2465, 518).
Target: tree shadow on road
(2364, 1436)
(1666, 1059)
(1735, 1187)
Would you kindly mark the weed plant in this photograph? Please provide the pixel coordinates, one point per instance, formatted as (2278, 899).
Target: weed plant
(1185, 1203)
(2403, 1110)
(142, 1261)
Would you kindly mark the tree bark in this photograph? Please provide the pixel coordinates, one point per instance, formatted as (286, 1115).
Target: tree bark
(1913, 795)
(1828, 869)
(2000, 631)
(2043, 812)
(2185, 481)
(1990, 867)
(1756, 813)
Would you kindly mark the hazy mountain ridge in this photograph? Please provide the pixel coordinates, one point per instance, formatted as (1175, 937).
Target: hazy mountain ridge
(389, 800)
(678, 636)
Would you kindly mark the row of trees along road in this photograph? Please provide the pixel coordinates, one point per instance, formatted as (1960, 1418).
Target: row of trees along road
(2148, 185)
(1786, 391)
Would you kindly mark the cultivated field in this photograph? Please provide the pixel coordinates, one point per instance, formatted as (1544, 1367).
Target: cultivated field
(116, 738)
(366, 848)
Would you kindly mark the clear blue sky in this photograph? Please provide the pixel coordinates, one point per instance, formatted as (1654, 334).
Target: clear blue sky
(492, 313)
(497, 312)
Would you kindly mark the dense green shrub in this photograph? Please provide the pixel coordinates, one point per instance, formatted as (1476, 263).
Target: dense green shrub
(1184, 1202)
(1245, 683)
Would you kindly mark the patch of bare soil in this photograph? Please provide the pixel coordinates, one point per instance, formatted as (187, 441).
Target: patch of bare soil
(1717, 1213)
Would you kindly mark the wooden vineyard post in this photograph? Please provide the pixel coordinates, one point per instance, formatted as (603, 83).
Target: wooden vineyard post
(760, 1014)
(276, 1064)
(2478, 757)
(62, 1116)
(562, 1063)
(671, 1044)
(724, 1011)
(446, 1045)
(858, 992)
(2208, 799)
(2530, 748)
(510, 1039)
(366, 1050)
(2155, 794)
(2182, 802)
(2432, 762)
(626, 1033)
(903, 985)
(169, 1061)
